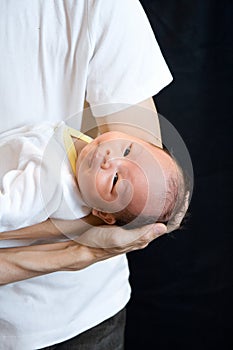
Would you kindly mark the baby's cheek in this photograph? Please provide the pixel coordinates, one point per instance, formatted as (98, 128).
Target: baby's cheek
(101, 185)
(118, 199)
(125, 192)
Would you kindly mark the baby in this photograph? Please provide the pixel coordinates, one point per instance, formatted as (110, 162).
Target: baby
(54, 171)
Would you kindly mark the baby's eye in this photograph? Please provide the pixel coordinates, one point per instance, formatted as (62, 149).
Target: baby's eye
(127, 151)
(115, 179)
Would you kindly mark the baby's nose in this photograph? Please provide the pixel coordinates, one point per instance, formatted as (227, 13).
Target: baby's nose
(105, 162)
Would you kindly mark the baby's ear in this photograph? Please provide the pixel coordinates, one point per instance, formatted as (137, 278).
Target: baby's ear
(106, 217)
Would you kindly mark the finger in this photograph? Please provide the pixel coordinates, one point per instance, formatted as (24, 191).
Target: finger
(156, 230)
(159, 229)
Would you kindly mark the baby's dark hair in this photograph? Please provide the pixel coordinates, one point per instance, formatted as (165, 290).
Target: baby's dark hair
(178, 188)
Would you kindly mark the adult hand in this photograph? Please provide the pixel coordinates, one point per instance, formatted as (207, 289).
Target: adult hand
(118, 240)
(108, 242)
(89, 231)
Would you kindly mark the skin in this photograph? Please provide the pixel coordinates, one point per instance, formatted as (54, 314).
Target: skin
(118, 170)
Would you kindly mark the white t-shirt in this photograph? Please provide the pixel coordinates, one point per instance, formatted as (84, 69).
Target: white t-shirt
(54, 54)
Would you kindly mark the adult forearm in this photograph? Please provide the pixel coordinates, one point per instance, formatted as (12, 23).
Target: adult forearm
(26, 262)
(50, 229)
(140, 120)
(21, 263)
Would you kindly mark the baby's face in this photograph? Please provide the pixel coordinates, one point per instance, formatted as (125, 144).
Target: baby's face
(117, 170)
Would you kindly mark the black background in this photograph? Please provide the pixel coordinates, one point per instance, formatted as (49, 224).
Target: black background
(182, 283)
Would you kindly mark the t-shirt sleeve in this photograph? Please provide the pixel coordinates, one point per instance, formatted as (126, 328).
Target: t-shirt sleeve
(127, 65)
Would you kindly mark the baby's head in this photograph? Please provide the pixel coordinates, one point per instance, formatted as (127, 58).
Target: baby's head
(129, 182)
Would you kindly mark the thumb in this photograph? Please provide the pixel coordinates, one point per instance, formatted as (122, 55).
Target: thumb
(159, 229)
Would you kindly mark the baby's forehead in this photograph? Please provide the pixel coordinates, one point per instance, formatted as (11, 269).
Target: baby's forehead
(117, 135)
(143, 153)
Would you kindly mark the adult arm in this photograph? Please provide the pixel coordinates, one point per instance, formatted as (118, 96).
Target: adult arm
(140, 120)
(26, 262)
(52, 229)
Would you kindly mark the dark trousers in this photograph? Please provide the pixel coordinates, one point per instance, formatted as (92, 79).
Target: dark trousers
(108, 335)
